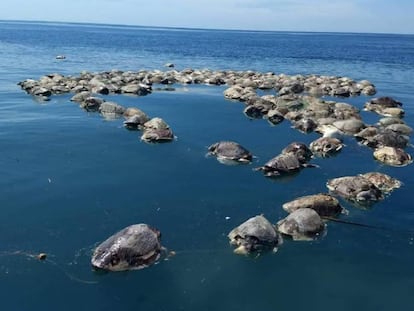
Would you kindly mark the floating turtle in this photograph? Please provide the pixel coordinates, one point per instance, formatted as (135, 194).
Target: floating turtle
(228, 152)
(156, 123)
(152, 135)
(400, 128)
(302, 224)
(282, 164)
(387, 138)
(135, 118)
(305, 125)
(255, 235)
(382, 181)
(326, 146)
(349, 126)
(134, 247)
(324, 204)
(356, 189)
(300, 150)
(392, 156)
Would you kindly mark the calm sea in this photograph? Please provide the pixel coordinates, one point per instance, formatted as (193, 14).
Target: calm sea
(69, 179)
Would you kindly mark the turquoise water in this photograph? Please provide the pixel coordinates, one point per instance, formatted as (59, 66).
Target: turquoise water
(70, 178)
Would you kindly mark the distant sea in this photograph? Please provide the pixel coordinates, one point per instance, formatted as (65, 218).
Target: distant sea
(70, 179)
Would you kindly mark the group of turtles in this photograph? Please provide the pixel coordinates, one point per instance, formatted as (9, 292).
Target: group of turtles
(139, 245)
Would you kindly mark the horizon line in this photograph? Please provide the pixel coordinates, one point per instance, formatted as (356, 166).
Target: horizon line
(102, 24)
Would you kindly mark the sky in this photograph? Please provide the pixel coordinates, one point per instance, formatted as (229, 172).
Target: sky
(378, 16)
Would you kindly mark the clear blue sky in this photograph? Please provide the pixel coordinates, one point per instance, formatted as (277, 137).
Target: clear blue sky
(389, 16)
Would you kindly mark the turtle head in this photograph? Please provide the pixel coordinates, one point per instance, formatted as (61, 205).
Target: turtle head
(212, 148)
(108, 260)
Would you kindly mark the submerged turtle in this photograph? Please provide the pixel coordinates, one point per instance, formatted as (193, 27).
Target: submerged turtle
(326, 146)
(355, 188)
(322, 203)
(392, 156)
(134, 247)
(229, 151)
(255, 235)
(382, 181)
(152, 135)
(302, 224)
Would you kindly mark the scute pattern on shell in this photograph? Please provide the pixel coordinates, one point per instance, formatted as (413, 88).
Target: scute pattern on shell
(134, 247)
(254, 235)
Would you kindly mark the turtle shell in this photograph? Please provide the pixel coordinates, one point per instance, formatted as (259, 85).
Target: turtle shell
(326, 146)
(302, 224)
(355, 188)
(254, 235)
(324, 204)
(157, 135)
(382, 181)
(392, 156)
(300, 150)
(229, 150)
(134, 247)
(282, 164)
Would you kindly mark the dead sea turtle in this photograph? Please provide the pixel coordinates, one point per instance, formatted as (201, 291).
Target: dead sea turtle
(382, 181)
(282, 164)
(300, 150)
(392, 156)
(302, 224)
(387, 138)
(349, 126)
(134, 247)
(322, 203)
(152, 135)
(135, 118)
(326, 146)
(229, 151)
(356, 189)
(255, 235)
(156, 123)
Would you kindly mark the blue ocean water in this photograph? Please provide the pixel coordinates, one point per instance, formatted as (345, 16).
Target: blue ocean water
(71, 178)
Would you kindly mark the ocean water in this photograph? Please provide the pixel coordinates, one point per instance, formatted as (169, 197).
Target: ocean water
(69, 179)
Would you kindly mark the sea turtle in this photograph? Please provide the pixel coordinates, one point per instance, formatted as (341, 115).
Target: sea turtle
(255, 235)
(349, 126)
(157, 135)
(326, 146)
(134, 247)
(392, 156)
(305, 125)
(382, 105)
(356, 189)
(323, 203)
(135, 118)
(156, 123)
(282, 164)
(135, 122)
(228, 152)
(300, 150)
(302, 224)
(400, 128)
(382, 181)
(387, 138)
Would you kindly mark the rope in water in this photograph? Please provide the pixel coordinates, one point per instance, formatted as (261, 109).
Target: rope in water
(43, 257)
